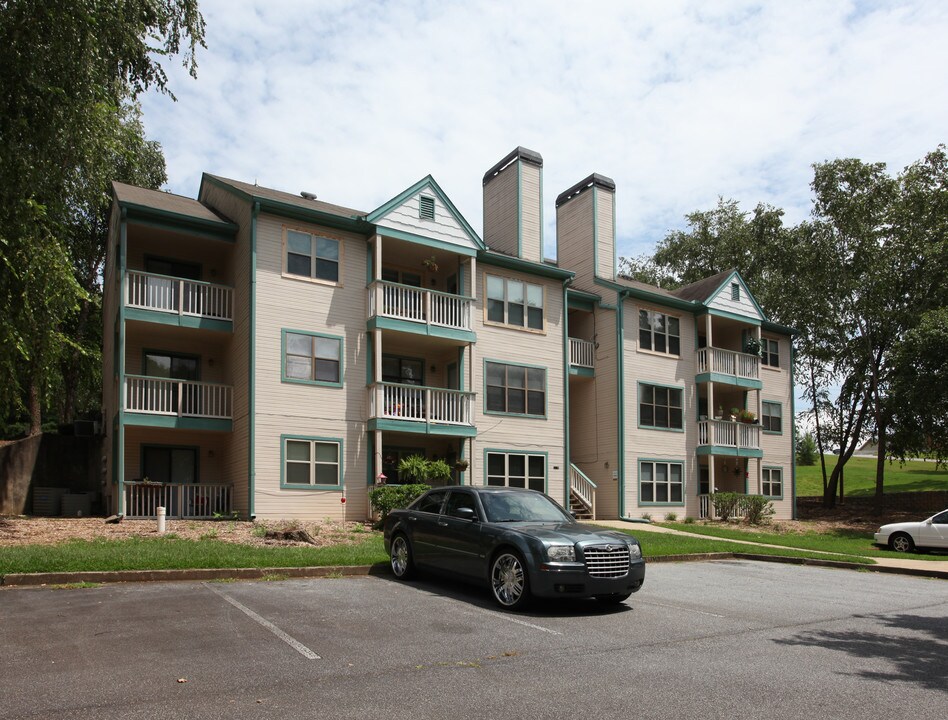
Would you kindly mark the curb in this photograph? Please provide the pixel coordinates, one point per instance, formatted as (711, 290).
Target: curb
(382, 569)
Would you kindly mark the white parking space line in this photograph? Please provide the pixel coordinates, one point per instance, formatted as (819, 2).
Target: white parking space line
(292, 642)
(678, 607)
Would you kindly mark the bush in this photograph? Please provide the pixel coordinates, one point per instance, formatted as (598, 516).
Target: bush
(689, 520)
(647, 516)
(386, 498)
(725, 504)
(806, 450)
(671, 517)
(757, 509)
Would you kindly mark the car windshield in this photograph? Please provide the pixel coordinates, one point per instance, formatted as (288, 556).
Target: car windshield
(521, 507)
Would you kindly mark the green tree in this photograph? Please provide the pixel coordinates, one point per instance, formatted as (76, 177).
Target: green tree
(806, 450)
(67, 68)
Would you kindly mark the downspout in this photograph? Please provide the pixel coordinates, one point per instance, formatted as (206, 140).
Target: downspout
(120, 430)
(620, 360)
(568, 463)
(251, 369)
(793, 430)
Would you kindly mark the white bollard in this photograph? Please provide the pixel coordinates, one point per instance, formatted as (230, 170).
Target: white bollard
(161, 520)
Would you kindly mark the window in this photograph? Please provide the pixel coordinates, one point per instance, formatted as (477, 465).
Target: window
(769, 353)
(311, 462)
(513, 302)
(312, 256)
(735, 291)
(660, 407)
(166, 464)
(516, 470)
(659, 332)
(408, 371)
(311, 358)
(661, 482)
(771, 417)
(771, 482)
(426, 208)
(431, 503)
(515, 389)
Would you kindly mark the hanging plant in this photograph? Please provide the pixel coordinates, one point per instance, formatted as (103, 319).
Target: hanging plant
(431, 263)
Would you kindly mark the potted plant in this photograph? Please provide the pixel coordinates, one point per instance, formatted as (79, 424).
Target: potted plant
(461, 465)
(735, 412)
(720, 414)
(747, 416)
(753, 346)
(431, 263)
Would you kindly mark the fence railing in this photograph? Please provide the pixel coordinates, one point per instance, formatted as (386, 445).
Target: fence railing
(404, 302)
(395, 401)
(582, 353)
(181, 500)
(177, 295)
(583, 487)
(706, 508)
(726, 433)
(183, 398)
(728, 362)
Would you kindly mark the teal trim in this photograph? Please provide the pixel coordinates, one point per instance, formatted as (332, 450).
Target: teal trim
(461, 355)
(370, 265)
(542, 246)
(421, 428)
(165, 446)
(749, 383)
(729, 451)
(566, 399)
(615, 249)
(778, 328)
(370, 465)
(581, 371)
(155, 217)
(406, 326)
(526, 453)
(793, 434)
(525, 266)
(429, 183)
(123, 284)
(732, 316)
(664, 461)
(426, 241)
(783, 481)
(620, 375)
(321, 383)
(370, 363)
(252, 369)
(638, 403)
(175, 320)
(546, 390)
(579, 300)
(179, 423)
(772, 432)
(327, 440)
(595, 219)
(520, 210)
(651, 297)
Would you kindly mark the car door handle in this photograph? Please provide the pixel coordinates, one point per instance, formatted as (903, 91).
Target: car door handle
(442, 523)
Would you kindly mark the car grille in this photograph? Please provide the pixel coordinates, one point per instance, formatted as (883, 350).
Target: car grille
(609, 561)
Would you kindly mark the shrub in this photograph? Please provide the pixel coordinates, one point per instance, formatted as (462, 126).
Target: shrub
(671, 517)
(725, 504)
(806, 450)
(386, 498)
(646, 516)
(689, 520)
(757, 508)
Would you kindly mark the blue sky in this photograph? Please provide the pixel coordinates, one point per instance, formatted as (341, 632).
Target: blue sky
(678, 102)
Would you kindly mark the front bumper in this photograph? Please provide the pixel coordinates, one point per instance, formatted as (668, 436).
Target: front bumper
(881, 539)
(572, 580)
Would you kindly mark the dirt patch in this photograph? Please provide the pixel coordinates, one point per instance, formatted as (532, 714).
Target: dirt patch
(51, 531)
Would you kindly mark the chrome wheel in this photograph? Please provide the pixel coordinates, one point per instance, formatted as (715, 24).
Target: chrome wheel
(508, 581)
(901, 543)
(401, 558)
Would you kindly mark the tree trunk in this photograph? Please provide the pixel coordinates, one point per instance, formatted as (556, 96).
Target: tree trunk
(880, 470)
(35, 408)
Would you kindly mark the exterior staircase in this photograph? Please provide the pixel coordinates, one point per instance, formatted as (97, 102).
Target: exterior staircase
(582, 494)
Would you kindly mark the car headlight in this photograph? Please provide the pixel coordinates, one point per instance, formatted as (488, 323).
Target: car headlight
(635, 551)
(561, 553)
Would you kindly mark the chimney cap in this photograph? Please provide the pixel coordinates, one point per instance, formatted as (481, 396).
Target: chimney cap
(595, 179)
(521, 153)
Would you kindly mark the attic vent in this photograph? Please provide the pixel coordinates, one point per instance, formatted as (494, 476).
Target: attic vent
(426, 208)
(308, 195)
(736, 291)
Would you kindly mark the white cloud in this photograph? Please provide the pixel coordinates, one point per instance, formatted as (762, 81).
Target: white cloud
(677, 102)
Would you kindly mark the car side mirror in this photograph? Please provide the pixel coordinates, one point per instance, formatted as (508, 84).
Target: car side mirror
(465, 513)
(928, 522)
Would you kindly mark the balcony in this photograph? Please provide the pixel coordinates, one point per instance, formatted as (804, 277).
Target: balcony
(179, 403)
(180, 301)
(719, 365)
(181, 500)
(582, 357)
(414, 408)
(725, 436)
(416, 310)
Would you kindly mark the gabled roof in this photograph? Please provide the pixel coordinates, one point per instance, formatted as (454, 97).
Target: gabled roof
(703, 289)
(258, 192)
(157, 201)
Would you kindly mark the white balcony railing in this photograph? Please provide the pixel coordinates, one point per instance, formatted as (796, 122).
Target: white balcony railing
(177, 295)
(181, 398)
(725, 433)
(394, 401)
(728, 362)
(706, 508)
(583, 487)
(582, 353)
(183, 500)
(403, 302)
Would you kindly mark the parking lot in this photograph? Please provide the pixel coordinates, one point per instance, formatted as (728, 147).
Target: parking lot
(711, 640)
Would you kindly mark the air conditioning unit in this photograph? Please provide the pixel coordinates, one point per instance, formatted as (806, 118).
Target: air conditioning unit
(86, 428)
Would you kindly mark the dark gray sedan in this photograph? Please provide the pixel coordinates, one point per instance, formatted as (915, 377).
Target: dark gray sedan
(519, 541)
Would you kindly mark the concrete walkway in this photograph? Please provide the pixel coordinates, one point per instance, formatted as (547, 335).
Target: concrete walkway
(938, 566)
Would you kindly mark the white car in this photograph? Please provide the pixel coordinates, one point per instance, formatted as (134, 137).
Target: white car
(906, 536)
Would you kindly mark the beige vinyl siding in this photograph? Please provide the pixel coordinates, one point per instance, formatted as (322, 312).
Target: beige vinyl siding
(606, 238)
(311, 411)
(677, 446)
(509, 345)
(444, 227)
(500, 211)
(778, 449)
(531, 230)
(574, 240)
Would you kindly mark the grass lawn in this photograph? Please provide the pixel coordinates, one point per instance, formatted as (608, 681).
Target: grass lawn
(860, 477)
(847, 542)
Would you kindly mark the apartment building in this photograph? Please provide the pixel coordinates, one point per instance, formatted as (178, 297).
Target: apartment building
(276, 356)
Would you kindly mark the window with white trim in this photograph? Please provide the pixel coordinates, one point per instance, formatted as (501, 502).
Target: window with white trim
(769, 353)
(661, 482)
(515, 389)
(660, 407)
(311, 463)
(312, 358)
(771, 482)
(520, 470)
(312, 256)
(659, 332)
(771, 417)
(514, 302)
